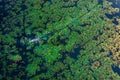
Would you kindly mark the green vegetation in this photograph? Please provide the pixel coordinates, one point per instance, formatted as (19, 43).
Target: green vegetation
(77, 41)
(15, 58)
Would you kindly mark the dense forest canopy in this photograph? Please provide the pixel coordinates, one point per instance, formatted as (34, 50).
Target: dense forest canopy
(59, 40)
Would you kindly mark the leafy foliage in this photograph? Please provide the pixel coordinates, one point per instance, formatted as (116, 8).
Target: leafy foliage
(76, 39)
